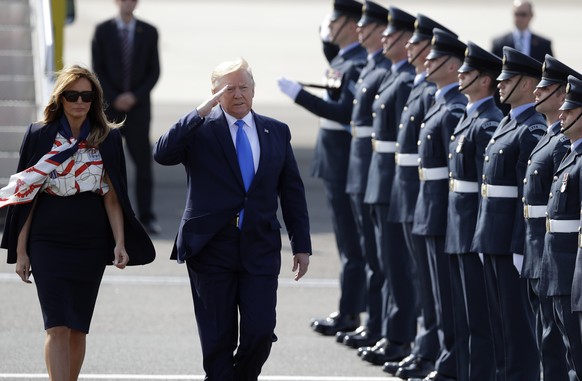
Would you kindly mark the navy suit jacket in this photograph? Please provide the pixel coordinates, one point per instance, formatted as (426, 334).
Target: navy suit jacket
(39, 140)
(539, 46)
(216, 192)
(106, 55)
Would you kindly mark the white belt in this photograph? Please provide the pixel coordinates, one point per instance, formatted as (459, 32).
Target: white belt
(383, 146)
(331, 125)
(562, 226)
(428, 174)
(407, 159)
(460, 186)
(501, 191)
(534, 211)
(362, 131)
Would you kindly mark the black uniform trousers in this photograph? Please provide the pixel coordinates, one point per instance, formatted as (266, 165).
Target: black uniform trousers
(426, 343)
(440, 274)
(222, 290)
(474, 343)
(568, 324)
(550, 343)
(511, 319)
(375, 277)
(399, 319)
(353, 276)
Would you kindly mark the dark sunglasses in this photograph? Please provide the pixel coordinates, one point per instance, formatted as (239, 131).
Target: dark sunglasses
(521, 14)
(73, 96)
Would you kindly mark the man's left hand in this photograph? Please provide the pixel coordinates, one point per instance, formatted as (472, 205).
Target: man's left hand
(300, 265)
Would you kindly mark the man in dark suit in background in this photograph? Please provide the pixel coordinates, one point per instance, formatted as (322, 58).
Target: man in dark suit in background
(125, 58)
(521, 38)
(239, 164)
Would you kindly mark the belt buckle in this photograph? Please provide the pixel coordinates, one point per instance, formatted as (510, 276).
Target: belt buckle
(451, 185)
(525, 211)
(373, 142)
(354, 134)
(484, 190)
(420, 174)
(548, 225)
(396, 159)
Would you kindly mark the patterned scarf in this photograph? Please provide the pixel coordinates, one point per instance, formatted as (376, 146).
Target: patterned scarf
(23, 186)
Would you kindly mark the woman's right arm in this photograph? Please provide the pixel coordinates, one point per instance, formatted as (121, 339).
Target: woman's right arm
(22, 259)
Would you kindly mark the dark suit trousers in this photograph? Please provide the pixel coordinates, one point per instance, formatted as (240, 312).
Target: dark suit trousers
(399, 319)
(474, 343)
(222, 289)
(426, 343)
(440, 274)
(511, 319)
(136, 131)
(353, 264)
(375, 276)
(568, 324)
(548, 335)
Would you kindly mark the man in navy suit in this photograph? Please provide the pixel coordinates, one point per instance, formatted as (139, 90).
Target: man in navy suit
(124, 54)
(521, 38)
(239, 164)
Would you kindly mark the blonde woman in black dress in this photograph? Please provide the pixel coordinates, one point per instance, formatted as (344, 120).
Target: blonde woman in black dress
(69, 214)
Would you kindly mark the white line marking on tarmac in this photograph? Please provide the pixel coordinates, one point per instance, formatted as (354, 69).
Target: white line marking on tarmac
(12, 376)
(183, 280)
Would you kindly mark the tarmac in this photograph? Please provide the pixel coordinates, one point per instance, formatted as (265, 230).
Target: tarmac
(144, 327)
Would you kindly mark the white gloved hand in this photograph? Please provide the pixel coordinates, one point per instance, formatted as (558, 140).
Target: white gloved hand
(289, 87)
(518, 262)
(324, 32)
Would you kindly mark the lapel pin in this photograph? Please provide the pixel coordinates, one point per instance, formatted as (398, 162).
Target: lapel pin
(267, 131)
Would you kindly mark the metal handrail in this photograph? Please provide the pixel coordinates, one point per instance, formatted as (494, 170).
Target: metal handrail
(42, 52)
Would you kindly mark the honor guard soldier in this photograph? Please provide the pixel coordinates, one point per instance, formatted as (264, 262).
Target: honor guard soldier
(430, 216)
(399, 315)
(403, 201)
(332, 150)
(560, 270)
(373, 22)
(542, 164)
(478, 81)
(499, 234)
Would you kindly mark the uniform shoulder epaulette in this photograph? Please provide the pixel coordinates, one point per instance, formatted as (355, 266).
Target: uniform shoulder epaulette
(535, 127)
(563, 139)
(457, 106)
(490, 123)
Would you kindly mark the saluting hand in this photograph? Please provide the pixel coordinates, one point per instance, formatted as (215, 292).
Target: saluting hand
(300, 265)
(207, 106)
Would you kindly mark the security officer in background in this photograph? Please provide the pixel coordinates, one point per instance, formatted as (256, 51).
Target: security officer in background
(560, 269)
(331, 160)
(403, 201)
(399, 315)
(499, 234)
(373, 22)
(542, 164)
(474, 346)
(430, 216)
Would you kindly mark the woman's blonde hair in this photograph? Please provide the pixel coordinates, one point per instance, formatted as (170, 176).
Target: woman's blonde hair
(100, 126)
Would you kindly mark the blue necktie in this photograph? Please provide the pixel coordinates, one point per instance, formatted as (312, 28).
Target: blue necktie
(244, 154)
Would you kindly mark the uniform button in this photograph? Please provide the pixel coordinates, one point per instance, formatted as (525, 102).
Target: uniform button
(355, 101)
(501, 152)
(405, 108)
(535, 172)
(483, 177)
(450, 174)
(487, 158)
(360, 80)
(525, 181)
(428, 137)
(364, 90)
(412, 118)
(373, 115)
(377, 96)
(382, 106)
(555, 178)
(419, 160)
(529, 162)
(492, 141)
(523, 199)
(397, 144)
(418, 143)
(450, 156)
(452, 137)
(551, 195)
(401, 125)
(421, 125)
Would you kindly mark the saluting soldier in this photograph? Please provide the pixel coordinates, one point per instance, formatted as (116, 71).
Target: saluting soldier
(560, 271)
(373, 22)
(499, 234)
(541, 166)
(399, 315)
(330, 163)
(403, 201)
(474, 346)
(430, 215)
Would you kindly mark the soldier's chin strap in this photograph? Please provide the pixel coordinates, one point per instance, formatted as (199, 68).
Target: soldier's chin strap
(512, 90)
(370, 34)
(419, 53)
(339, 30)
(564, 129)
(470, 83)
(395, 41)
(438, 67)
(548, 97)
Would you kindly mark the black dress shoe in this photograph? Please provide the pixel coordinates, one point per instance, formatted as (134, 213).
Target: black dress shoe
(434, 376)
(341, 335)
(418, 368)
(333, 324)
(379, 344)
(362, 339)
(390, 352)
(392, 367)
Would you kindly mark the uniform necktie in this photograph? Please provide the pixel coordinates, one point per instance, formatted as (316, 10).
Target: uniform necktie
(126, 57)
(520, 43)
(244, 154)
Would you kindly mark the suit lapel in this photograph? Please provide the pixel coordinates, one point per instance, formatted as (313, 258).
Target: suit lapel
(219, 126)
(569, 159)
(264, 134)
